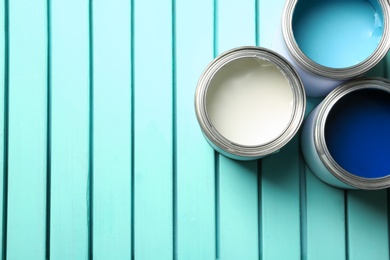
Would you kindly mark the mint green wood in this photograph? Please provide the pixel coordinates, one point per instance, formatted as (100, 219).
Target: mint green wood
(269, 18)
(153, 137)
(27, 130)
(2, 117)
(325, 214)
(280, 194)
(325, 220)
(238, 194)
(238, 237)
(69, 129)
(235, 24)
(368, 225)
(280, 182)
(186, 206)
(112, 130)
(195, 158)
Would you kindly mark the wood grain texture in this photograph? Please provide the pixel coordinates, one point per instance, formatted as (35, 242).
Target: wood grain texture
(368, 225)
(3, 124)
(238, 189)
(280, 183)
(27, 130)
(112, 129)
(325, 220)
(195, 158)
(270, 22)
(153, 147)
(280, 195)
(126, 114)
(70, 81)
(325, 214)
(238, 210)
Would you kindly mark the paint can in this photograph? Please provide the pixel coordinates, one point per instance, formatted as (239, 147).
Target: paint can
(249, 103)
(335, 39)
(345, 139)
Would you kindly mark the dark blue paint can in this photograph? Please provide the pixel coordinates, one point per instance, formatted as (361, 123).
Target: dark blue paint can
(346, 138)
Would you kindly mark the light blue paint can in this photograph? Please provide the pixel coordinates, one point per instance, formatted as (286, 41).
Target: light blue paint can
(337, 39)
(346, 140)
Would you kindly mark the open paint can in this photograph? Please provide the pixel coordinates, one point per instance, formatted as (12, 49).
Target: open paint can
(336, 39)
(249, 103)
(346, 138)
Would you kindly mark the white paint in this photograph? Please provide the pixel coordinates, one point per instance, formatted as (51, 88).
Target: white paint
(250, 102)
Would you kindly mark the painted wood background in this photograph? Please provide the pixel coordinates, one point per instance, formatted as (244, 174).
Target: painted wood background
(103, 158)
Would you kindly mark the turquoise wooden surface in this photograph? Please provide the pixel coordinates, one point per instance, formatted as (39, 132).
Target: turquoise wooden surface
(112, 182)
(69, 125)
(235, 25)
(103, 157)
(153, 130)
(324, 215)
(195, 200)
(27, 130)
(280, 174)
(2, 116)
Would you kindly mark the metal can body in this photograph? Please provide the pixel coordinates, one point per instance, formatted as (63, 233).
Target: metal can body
(338, 40)
(249, 103)
(360, 146)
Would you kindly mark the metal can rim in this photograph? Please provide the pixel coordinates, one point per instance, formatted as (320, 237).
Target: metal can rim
(246, 152)
(329, 72)
(319, 133)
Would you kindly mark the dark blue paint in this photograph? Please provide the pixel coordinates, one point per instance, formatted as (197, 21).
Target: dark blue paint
(357, 133)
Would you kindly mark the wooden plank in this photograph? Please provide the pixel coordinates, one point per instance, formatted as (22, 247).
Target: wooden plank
(195, 157)
(280, 183)
(325, 214)
(112, 130)
(238, 209)
(325, 209)
(153, 165)
(367, 215)
(70, 129)
(270, 22)
(2, 117)
(368, 225)
(280, 193)
(325, 220)
(27, 130)
(235, 24)
(238, 194)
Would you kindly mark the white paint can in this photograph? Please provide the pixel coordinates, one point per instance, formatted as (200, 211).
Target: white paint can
(249, 102)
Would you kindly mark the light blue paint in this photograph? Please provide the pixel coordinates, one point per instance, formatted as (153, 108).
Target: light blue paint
(357, 133)
(337, 33)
